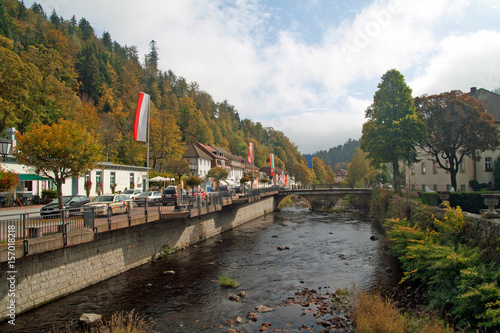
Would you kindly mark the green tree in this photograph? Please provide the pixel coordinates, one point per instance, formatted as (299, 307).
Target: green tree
(394, 128)
(496, 174)
(218, 173)
(58, 152)
(458, 126)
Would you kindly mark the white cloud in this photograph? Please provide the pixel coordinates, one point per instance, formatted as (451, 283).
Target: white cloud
(460, 63)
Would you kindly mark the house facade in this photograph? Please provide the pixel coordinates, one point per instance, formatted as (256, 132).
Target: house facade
(426, 175)
(199, 161)
(102, 178)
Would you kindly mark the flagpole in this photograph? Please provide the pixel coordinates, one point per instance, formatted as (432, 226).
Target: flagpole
(147, 153)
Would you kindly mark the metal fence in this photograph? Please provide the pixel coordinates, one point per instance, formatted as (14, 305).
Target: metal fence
(33, 225)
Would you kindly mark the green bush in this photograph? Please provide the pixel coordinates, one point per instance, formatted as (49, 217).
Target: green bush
(471, 202)
(460, 279)
(49, 194)
(430, 198)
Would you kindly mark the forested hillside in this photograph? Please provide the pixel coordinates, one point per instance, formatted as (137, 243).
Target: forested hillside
(340, 156)
(53, 68)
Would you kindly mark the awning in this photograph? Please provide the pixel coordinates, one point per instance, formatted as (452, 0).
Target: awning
(26, 177)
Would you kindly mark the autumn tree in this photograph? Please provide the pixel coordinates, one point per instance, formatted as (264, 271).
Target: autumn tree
(218, 173)
(301, 173)
(179, 167)
(59, 151)
(458, 126)
(193, 181)
(319, 171)
(394, 128)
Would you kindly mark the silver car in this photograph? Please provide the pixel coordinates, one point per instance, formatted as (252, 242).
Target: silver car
(109, 204)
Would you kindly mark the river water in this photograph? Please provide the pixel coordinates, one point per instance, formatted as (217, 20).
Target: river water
(182, 292)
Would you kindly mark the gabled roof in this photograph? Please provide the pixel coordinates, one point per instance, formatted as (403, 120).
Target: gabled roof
(490, 100)
(193, 151)
(211, 151)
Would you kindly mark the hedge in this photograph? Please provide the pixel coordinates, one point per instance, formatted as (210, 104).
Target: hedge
(471, 202)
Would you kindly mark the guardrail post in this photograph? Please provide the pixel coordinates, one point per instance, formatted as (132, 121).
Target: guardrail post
(129, 217)
(65, 233)
(108, 210)
(25, 224)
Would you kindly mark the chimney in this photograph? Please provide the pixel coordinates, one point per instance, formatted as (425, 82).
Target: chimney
(473, 90)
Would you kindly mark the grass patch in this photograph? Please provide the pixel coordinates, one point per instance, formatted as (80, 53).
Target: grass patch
(124, 322)
(373, 313)
(226, 281)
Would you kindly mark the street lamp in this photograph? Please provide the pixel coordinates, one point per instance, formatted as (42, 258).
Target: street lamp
(5, 146)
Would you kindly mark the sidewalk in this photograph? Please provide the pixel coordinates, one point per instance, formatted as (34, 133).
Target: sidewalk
(20, 210)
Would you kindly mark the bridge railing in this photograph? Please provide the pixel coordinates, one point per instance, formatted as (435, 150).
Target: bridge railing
(315, 187)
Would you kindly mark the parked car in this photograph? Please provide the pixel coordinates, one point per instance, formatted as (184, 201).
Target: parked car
(109, 204)
(238, 189)
(170, 195)
(152, 197)
(198, 191)
(132, 193)
(69, 203)
(223, 188)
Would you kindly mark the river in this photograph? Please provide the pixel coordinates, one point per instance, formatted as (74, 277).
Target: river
(182, 292)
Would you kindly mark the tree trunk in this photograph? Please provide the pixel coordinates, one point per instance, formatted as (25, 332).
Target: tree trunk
(59, 183)
(396, 176)
(453, 178)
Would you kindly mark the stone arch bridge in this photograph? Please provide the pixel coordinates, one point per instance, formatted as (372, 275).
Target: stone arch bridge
(321, 198)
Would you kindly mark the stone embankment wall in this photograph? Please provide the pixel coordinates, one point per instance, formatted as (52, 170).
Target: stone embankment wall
(46, 276)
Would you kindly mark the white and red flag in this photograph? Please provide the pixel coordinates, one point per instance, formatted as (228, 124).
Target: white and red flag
(271, 162)
(250, 153)
(141, 118)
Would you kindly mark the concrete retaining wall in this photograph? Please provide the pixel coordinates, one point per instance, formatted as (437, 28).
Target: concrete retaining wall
(43, 277)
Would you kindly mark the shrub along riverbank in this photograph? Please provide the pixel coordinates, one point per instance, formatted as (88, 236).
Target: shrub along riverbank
(460, 279)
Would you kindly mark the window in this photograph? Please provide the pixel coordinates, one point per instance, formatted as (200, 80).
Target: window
(112, 177)
(463, 188)
(412, 170)
(87, 176)
(98, 176)
(423, 168)
(131, 179)
(434, 167)
(487, 164)
(435, 187)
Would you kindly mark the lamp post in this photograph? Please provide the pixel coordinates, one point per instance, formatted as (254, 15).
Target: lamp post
(5, 146)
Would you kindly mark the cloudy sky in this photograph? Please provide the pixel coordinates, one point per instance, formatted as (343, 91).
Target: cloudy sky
(306, 67)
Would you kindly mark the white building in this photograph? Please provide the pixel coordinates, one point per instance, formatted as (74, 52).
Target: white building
(105, 173)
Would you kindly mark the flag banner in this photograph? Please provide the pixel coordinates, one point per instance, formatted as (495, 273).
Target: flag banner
(250, 152)
(141, 118)
(271, 161)
(309, 161)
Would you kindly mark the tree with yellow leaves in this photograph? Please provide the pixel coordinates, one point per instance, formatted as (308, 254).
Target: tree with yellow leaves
(60, 151)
